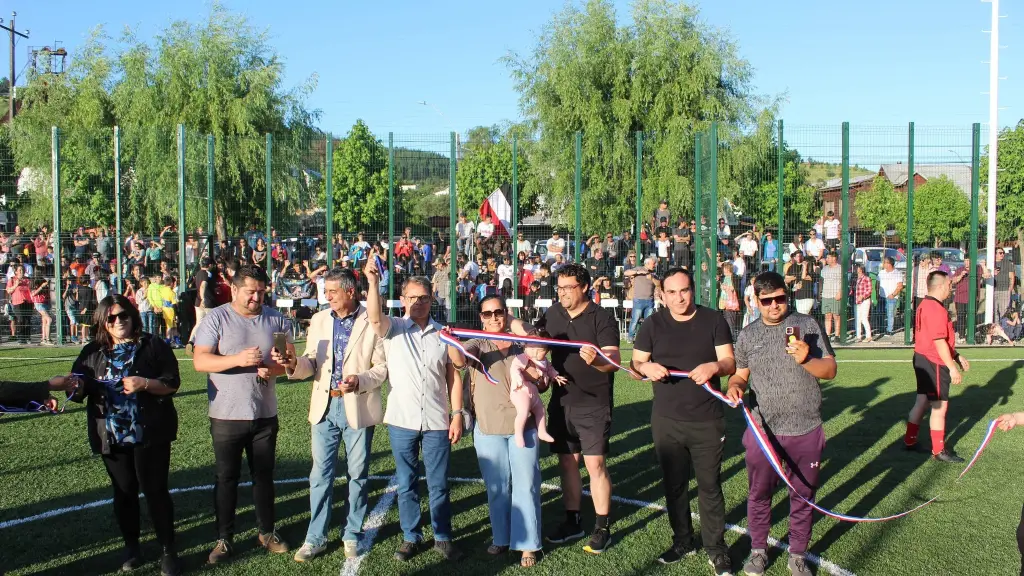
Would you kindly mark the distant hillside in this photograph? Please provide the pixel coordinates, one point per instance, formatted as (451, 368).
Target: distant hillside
(819, 172)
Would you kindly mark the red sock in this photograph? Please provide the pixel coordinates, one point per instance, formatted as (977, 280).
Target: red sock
(938, 441)
(910, 438)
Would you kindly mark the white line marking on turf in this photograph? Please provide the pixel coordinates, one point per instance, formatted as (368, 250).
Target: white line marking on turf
(350, 567)
(376, 518)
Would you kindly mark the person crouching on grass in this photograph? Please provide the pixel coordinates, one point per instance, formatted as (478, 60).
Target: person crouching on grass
(780, 360)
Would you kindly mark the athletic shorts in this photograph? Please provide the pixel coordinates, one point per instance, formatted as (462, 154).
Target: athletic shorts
(830, 306)
(580, 429)
(168, 314)
(933, 379)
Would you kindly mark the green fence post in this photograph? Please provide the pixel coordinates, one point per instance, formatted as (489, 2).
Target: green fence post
(713, 265)
(119, 270)
(845, 237)
(270, 164)
(182, 273)
(781, 169)
(452, 240)
(579, 196)
(58, 245)
(697, 202)
(210, 224)
(972, 290)
(909, 276)
(515, 216)
(639, 190)
(329, 193)
(391, 212)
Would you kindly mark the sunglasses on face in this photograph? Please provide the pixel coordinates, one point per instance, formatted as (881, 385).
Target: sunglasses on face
(124, 315)
(488, 314)
(418, 299)
(780, 300)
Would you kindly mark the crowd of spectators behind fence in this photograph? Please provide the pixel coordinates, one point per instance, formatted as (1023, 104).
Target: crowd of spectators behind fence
(625, 270)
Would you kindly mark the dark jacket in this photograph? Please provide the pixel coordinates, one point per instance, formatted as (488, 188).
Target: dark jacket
(154, 359)
(19, 394)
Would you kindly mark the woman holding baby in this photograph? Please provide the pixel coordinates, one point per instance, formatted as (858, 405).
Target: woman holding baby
(510, 468)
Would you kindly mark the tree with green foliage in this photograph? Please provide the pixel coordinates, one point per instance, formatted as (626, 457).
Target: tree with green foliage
(881, 208)
(221, 77)
(940, 213)
(1010, 184)
(360, 180)
(486, 164)
(664, 73)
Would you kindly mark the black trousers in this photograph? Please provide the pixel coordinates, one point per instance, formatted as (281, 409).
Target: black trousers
(1020, 541)
(679, 445)
(23, 321)
(258, 439)
(141, 468)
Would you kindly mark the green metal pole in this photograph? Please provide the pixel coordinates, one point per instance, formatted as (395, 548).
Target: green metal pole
(391, 212)
(119, 268)
(182, 273)
(329, 193)
(515, 216)
(452, 240)
(909, 277)
(698, 201)
(972, 291)
(639, 188)
(579, 196)
(269, 176)
(780, 147)
(58, 245)
(844, 239)
(713, 266)
(210, 143)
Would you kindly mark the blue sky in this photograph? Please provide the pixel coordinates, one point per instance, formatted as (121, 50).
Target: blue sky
(870, 62)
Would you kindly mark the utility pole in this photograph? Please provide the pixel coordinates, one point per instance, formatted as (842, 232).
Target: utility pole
(993, 159)
(10, 96)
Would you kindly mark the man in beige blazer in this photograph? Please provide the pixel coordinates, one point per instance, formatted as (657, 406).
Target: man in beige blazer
(346, 360)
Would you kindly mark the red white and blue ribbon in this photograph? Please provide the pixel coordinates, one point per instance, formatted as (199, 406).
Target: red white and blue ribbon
(756, 430)
(33, 406)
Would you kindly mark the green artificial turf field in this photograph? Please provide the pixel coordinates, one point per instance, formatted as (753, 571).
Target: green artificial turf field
(45, 465)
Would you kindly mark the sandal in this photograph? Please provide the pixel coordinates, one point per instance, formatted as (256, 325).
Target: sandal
(495, 550)
(528, 561)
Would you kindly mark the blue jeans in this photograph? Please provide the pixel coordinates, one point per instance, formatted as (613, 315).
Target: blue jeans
(890, 313)
(405, 446)
(149, 322)
(512, 477)
(641, 309)
(327, 436)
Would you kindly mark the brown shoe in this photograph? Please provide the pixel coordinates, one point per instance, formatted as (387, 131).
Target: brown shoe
(273, 543)
(221, 552)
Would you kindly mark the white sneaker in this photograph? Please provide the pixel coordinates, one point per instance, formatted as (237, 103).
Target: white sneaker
(308, 552)
(351, 549)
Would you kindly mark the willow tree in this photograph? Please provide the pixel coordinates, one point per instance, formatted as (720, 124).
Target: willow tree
(665, 73)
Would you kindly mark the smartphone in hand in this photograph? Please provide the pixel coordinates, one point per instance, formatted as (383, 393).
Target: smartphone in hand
(281, 342)
(792, 335)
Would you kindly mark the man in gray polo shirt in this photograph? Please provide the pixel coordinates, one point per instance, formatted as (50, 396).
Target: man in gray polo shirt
(233, 345)
(780, 359)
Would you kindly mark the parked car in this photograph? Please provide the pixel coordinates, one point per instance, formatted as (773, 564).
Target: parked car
(871, 258)
(952, 257)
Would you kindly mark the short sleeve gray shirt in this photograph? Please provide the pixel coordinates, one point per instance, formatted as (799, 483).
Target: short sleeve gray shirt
(238, 394)
(785, 396)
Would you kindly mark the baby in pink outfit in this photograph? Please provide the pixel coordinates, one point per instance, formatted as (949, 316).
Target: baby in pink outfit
(523, 392)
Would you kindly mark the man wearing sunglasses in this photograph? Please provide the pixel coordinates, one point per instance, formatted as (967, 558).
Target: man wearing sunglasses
(580, 413)
(423, 383)
(780, 359)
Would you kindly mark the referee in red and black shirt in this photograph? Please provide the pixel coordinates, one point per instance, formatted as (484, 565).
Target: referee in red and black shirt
(936, 365)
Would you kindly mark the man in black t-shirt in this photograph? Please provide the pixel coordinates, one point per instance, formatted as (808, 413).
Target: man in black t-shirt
(580, 413)
(687, 422)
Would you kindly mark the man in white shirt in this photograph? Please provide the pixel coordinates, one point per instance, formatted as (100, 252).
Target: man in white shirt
(814, 246)
(464, 230)
(523, 245)
(748, 249)
(723, 229)
(484, 231)
(890, 281)
(470, 270)
(555, 244)
(423, 384)
(831, 226)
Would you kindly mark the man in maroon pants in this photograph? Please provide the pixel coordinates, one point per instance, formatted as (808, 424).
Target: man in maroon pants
(780, 359)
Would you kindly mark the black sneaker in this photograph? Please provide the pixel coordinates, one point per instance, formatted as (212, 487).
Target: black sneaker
(915, 447)
(132, 559)
(676, 553)
(948, 455)
(170, 565)
(599, 541)
(721, 564)
(406, 550)
(566, 531)
(448, 550)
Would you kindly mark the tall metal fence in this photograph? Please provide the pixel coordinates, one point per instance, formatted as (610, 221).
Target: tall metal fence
(105, 209)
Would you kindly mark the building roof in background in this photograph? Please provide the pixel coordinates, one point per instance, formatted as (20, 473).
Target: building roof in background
(837, 183)
(960, 174)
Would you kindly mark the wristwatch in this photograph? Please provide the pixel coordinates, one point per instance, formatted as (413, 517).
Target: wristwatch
(464, 412)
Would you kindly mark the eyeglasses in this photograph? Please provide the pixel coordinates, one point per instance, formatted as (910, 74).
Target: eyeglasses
(780, 300)
(488, 314)
(124, 315)
(418, 299)
(566, 288)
